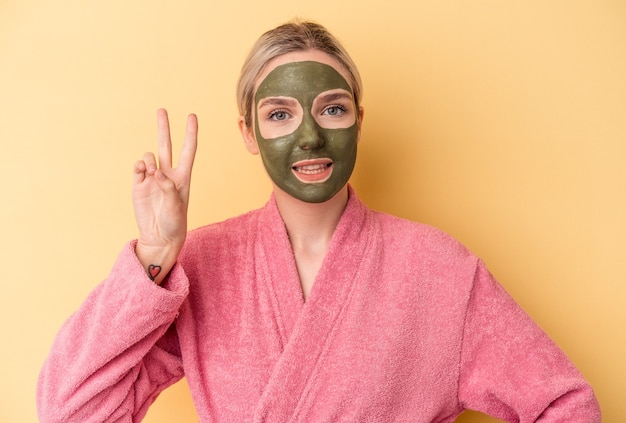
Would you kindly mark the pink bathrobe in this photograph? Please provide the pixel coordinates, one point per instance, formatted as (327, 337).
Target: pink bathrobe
(403, 324)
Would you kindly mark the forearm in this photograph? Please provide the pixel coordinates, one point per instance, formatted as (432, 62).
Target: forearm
(110, 353)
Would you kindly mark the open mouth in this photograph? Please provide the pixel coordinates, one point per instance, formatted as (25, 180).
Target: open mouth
(311, 171)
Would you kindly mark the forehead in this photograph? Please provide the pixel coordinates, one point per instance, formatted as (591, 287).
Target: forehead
(310, 55)
(301, 80)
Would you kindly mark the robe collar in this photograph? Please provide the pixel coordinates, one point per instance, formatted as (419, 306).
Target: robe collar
(281, 271)
(306, 328)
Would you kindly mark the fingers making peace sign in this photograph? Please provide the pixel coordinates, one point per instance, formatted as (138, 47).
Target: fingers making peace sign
(161, 198)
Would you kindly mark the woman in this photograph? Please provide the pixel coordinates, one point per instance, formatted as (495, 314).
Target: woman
(311, 309)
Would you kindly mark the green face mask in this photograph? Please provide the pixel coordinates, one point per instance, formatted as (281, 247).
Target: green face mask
(306, 125)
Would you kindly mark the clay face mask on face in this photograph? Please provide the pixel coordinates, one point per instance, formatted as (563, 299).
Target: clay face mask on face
(306, 129)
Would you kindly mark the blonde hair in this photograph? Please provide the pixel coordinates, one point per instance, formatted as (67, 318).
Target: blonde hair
(291, 36)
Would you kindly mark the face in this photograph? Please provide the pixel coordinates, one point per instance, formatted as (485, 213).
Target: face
(306, 128)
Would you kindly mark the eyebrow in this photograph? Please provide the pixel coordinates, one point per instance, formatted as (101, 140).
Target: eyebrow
(277, 101)
(334, 96)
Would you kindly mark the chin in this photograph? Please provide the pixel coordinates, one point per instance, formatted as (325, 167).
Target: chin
(315, 194)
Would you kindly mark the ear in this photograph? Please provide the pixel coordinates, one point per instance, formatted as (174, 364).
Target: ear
(248, 136)
(360, 121)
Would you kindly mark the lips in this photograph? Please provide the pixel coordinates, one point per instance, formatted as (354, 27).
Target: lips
(313, 171)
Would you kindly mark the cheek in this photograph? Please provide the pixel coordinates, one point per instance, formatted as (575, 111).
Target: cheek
(344, 141)
(276, 153)
(268, 148)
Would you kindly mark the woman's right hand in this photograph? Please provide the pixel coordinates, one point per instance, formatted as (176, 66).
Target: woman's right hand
(161, 198)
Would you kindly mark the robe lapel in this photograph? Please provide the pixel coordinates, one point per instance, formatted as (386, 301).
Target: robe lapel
(277, 266)
(309, 327)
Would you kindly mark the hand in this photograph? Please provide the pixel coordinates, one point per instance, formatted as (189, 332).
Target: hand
(161, 198)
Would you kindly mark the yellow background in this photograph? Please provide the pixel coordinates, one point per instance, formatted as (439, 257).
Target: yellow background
(501, 122)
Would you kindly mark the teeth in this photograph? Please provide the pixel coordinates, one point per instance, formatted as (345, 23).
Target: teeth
(312, 169)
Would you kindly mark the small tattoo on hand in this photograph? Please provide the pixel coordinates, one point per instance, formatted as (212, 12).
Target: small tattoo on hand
(153, 271)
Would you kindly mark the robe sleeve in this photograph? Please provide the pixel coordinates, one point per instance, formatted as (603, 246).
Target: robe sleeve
(510, 369)
(113, 356)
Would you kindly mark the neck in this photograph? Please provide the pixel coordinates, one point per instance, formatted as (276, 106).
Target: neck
(310, 225)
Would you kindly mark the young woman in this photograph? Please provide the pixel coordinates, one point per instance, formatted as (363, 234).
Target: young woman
(311, 309)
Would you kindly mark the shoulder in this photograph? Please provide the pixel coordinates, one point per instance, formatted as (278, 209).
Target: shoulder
(222, 234)
(421, 240)
(424, 262)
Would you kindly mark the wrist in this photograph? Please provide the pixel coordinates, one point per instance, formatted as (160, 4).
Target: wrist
(157, 261)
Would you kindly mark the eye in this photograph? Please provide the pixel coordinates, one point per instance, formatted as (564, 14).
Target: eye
(336, 110)
(279, 115)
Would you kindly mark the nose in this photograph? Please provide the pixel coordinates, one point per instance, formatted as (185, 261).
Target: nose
(310, 136)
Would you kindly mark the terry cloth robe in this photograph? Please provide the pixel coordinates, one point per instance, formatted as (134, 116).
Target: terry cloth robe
(403, 324)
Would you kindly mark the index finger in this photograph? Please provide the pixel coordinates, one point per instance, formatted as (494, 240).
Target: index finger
(164, 140)
(188, 152)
